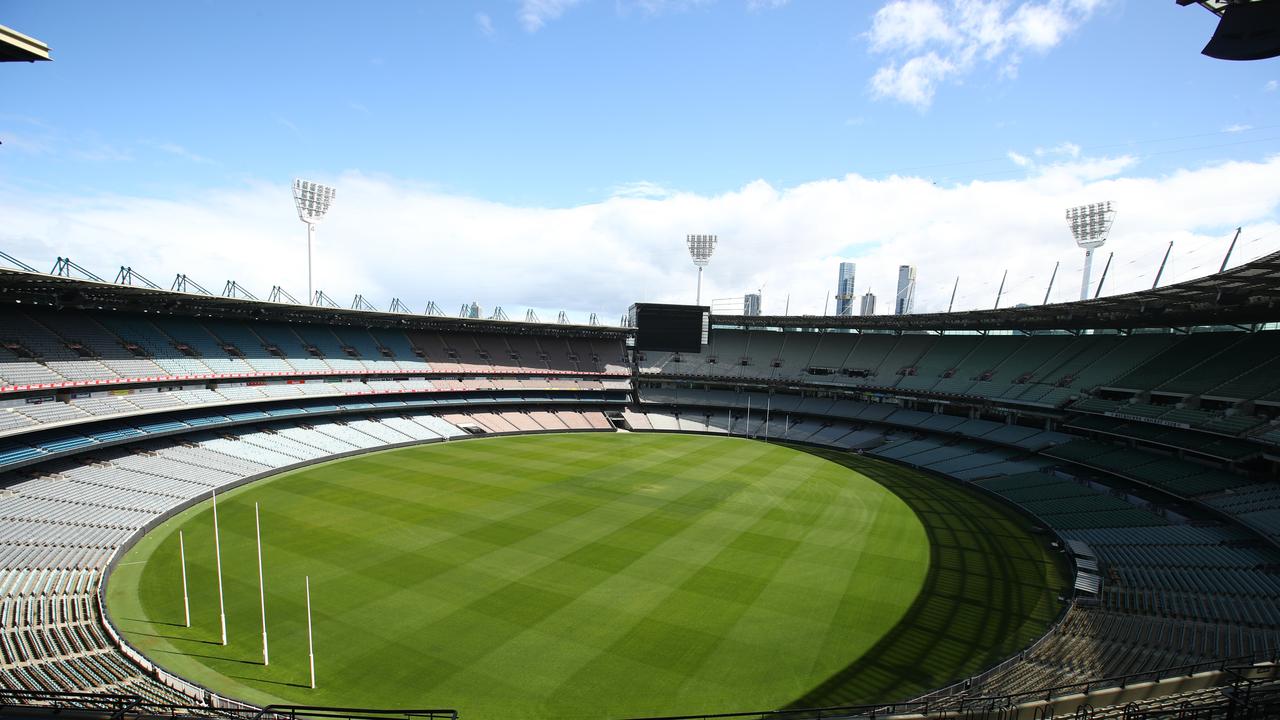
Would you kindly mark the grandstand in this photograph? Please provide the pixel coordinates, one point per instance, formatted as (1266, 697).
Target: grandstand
(1140, 431)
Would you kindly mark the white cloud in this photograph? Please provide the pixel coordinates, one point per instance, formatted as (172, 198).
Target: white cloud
(1090, 169)
(1063, 149)
(25, 143)
(386, 237)
(534, 14)
(180, 151)
(1271, 86)
(1237, 128)
(914, 82)
(485, 23)
(43, 140)
(32, 136)
(929, 41)
(1064, 161)
(1038, 27)
(910, 25)
(640, 189)
(101, 152)
(651, 8)
(286, 123)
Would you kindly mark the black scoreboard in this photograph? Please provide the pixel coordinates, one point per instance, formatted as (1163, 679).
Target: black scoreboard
(669, 328)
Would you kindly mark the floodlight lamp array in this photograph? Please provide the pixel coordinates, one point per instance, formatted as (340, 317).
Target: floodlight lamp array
(1091, 223)
(700, 248)
(312, 200)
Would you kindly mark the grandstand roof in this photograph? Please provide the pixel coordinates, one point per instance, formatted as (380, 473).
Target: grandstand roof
(1245, 295)
(16, 47)
(67, 292)
(1217, 7)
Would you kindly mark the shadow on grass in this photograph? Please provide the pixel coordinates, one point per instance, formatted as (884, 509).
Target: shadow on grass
(153, 622)
(270, 682)
(221, 658)
(175, 638)
(991, 589)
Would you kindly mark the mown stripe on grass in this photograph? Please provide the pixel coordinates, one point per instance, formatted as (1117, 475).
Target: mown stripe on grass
(557, 576)
(992, 588)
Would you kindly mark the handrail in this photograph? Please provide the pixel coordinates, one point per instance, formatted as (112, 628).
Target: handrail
(342, 713)
(135, 705)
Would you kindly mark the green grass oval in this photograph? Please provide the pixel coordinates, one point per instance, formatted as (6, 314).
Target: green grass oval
(545, 576)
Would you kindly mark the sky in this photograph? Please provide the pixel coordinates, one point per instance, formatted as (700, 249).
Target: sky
(553, 154)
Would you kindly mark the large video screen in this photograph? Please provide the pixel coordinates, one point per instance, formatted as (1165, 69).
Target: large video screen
(669, 328)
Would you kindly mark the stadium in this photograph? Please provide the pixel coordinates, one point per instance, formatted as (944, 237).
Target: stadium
(1094, 485)
(218, 506)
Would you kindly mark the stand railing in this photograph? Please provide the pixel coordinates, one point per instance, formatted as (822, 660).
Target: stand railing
(134, 706)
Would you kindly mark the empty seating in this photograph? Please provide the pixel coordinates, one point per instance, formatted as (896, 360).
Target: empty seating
(1180, 477)
(77, 347)
(1171, 591)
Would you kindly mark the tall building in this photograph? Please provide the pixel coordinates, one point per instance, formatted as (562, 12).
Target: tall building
(845, 294)
(905, 300)
(868, 304)
(751, 304)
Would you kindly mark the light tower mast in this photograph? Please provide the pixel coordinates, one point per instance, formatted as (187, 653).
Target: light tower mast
(1090, 225)
(312, 201)
(700, 249)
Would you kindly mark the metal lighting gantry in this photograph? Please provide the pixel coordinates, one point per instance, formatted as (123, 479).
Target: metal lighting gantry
(1089, 226)
(313, 201)
(700, 249)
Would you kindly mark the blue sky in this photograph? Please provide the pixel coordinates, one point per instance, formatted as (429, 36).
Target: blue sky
(702, 97)
(547, 105)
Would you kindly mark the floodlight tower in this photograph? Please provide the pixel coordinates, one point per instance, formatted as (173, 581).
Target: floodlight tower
(312, 201)
(700, 249)
(1090, 225)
